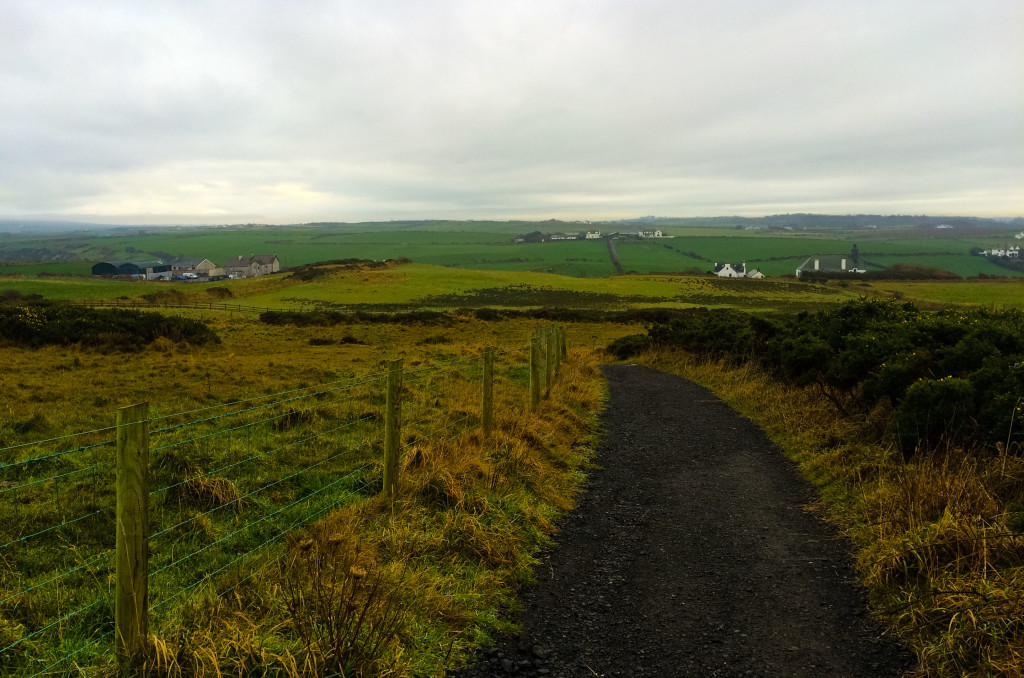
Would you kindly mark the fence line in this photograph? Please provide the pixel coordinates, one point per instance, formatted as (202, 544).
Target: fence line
(284, 481)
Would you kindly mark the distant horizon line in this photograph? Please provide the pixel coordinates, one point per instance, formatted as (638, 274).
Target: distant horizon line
(129, 222)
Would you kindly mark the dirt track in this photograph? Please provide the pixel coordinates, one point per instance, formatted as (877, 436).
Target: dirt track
(692, 555)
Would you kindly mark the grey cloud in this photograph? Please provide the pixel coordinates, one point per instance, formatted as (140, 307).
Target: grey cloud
(459, 108)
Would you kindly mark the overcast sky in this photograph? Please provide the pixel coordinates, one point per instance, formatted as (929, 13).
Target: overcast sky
(248, 110)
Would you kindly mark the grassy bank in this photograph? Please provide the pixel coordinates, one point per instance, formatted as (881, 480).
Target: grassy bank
(232, 599)
(938, 546)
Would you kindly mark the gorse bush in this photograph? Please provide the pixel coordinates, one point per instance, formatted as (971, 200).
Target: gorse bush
(44, 324)
(954, 377)
(629, 346)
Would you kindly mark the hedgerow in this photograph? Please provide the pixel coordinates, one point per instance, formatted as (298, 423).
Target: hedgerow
(949, 377)
(41, 324)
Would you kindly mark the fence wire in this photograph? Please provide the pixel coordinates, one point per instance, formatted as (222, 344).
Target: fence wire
(287, 459)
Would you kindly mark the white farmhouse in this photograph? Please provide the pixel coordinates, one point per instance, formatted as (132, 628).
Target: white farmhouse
(730, 270)
(592, 235)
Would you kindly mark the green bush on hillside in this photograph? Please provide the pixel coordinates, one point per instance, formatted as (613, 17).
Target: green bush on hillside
(950, 377)
(42, 324)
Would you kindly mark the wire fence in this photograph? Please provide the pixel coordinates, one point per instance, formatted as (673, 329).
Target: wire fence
(224, 486)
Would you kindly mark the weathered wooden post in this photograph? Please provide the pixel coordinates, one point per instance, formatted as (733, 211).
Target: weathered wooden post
(556, 355)
(534, 372)
(392, 412)
(486, 409)
(132, 525)
(562, 349)
(549, 365)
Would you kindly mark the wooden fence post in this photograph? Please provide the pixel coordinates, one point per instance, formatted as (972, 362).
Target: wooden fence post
(534, 372)
(132, 525)
(562, 350)
(545, 338)
(542, 339)
(392, 412)
(557, 349)
(486, 409)
(552, 356)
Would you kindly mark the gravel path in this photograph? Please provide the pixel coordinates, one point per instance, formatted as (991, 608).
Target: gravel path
(692, 555)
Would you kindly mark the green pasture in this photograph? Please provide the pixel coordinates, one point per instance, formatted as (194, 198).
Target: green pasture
(429, 286)
(993, 294)
(74, 268)
(962, 265)
(79, 288)
(425, 286)
(489, 246)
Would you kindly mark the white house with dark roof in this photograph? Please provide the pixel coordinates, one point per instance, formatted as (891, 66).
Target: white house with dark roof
(730, 270)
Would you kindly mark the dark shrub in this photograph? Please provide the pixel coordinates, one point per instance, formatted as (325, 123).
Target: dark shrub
(435, 339)
(117, 329)
(349, 339)
(170, 296)
(717, 332)
(629, 346)
(933, 410)
(219, 293)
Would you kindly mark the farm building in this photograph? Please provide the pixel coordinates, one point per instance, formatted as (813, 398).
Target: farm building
(201, 267)
(1011, 252)
(730, 270)
(829, 263)
(252, 266)
(755, 273)
(150, 270)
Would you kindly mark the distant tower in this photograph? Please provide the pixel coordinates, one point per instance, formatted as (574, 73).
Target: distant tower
(854, 253)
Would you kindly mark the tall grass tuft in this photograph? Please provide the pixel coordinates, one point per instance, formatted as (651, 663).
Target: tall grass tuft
(347, 610)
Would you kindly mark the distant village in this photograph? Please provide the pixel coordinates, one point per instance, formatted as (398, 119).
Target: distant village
(195, 270)
(537, 236)
(1012, 252)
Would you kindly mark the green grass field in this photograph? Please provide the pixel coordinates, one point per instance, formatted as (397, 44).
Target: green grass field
(428, 286)
(489, 246)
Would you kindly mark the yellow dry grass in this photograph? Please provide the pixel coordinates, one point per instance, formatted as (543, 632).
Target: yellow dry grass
(454, 543)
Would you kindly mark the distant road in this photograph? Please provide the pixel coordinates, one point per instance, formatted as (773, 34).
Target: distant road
(613, 253)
